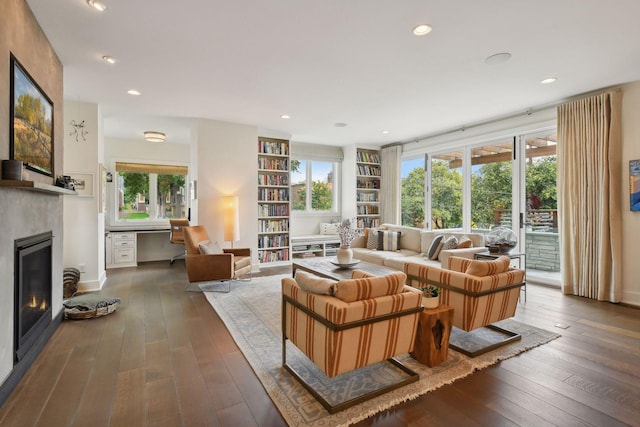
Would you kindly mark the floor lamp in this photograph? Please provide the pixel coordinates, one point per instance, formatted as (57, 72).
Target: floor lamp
(231, 219)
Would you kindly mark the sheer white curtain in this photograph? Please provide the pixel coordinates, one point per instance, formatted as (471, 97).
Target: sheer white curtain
(390, 158)
(589, 196)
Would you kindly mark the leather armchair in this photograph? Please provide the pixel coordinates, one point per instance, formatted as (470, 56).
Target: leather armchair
(228, 265)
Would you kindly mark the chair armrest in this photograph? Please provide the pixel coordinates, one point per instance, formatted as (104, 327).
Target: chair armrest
(204, 267)
(421, 275)
(462, 253)
(335, 313)
(238, 251)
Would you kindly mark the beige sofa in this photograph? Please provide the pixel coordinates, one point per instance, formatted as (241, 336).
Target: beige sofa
(414, 245)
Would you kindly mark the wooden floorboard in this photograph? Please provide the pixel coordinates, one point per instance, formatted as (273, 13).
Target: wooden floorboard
(164, 358)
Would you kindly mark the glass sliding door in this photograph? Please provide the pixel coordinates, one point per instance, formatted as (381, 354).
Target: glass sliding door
(539, 201)
(492, 185)
(446, 190)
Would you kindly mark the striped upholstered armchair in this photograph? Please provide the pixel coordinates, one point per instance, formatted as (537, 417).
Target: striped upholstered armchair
(480, 292)
(348, 324)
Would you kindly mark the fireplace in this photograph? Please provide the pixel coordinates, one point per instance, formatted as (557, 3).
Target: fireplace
(33, 283)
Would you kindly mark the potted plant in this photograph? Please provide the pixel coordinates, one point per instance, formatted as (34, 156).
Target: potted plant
(430, 296)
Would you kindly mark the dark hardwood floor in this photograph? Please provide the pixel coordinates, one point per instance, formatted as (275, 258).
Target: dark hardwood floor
(164, 358)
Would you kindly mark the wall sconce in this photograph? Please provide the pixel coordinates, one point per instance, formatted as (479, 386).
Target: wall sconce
(153, 136)
(231, 218)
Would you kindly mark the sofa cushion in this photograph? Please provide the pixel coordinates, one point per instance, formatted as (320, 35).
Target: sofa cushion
(315, 284)
(208, 247)
(388, 240)
(433, 249)
(351, 290)
(483, 268)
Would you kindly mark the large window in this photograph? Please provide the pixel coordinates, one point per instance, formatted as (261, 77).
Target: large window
(313, 186)
(150, 192)
(446, 190)
(412, 201)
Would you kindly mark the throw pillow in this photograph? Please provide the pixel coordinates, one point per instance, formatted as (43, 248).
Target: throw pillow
(351, 290)
(437, 251)
(434, 246)
(465, 242)
(487, 268)
(315, 284)
(451, 242)
(208, 247)
(389, 240)
(328, 228)
(372, 239)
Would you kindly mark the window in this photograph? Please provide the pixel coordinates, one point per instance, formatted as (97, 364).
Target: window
(313, 186)
(412, 200)
(150, 192)
(446, 190)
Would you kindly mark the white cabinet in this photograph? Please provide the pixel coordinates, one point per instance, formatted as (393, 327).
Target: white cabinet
(121, 249)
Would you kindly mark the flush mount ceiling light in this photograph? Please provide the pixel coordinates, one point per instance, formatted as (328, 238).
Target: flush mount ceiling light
(109, 59)
(97, 5)
(153, 136)
(548, 80)
(422, 29)
(133, 92)
(498, 58)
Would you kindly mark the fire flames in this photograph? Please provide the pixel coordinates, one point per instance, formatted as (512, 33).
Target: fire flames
(35, 304)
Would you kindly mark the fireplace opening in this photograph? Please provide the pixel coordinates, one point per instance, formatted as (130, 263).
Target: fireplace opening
(33, 283)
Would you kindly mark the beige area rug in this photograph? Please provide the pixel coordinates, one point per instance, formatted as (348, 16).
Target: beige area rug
(251, 312)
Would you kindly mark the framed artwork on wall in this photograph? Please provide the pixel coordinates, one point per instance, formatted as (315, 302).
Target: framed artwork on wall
(634, 184)
(31, 122)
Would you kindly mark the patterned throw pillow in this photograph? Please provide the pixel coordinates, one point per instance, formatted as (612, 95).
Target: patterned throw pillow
(372, 239)
(487, 268)
(465, 242)
(389, 240)
(433, 249)
(328, 228)
(450, 243)
(437, 251)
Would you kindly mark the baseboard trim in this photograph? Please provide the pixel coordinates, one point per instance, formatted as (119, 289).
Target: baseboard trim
(21, 368)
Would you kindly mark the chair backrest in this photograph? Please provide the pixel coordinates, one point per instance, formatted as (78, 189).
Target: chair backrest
(177, 233)
(193, 235)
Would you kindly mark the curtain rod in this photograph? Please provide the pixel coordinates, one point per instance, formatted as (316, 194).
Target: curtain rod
(527, 112)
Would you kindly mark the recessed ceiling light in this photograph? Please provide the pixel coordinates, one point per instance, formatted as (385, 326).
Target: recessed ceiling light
(422, 29)
(97, 5)
(385, 132)
(498, 58)
(153, 136)
(285, 116)
(110, 59)
(549, 80)
(134, 92)
(340, 125)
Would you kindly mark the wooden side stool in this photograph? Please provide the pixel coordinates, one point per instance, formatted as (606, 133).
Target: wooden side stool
(432, 338)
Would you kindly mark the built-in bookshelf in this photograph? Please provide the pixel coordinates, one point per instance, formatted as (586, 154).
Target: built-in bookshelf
(273, 201)
(311, 247)
(368, 173)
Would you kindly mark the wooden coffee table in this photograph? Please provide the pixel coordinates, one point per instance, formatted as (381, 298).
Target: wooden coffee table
(322, 266)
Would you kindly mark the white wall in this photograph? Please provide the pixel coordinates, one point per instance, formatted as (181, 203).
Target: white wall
(83, 224)
(227, 156)
(630, 220)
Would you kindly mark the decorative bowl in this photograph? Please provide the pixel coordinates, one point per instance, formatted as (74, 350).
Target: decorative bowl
(351, 264)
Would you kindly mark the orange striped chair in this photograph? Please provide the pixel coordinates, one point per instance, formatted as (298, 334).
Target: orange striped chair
(480, 292)
(351, 324)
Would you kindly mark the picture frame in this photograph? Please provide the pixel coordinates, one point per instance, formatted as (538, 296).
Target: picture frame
(31, 122)
(634, 185)
(83, 182)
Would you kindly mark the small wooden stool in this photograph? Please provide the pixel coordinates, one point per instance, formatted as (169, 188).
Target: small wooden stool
(432, 338)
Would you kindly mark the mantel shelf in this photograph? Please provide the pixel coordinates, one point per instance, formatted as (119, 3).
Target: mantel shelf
(36, 186)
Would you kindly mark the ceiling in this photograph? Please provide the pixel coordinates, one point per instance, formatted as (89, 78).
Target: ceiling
(335, 61)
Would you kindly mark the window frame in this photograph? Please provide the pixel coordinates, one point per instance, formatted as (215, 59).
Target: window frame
(335, 204)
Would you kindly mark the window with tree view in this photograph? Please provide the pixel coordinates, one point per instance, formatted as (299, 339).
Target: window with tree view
(312, 186)
(151, 192)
